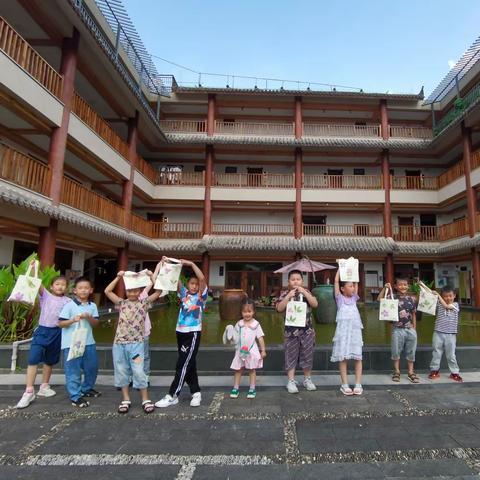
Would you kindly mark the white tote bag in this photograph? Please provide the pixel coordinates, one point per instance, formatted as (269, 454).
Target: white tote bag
(427, 300)
(296, 314)
(27, 286)
(348, 269)
(388, 308)
(79, 340)
(168, 276)
(136, 280)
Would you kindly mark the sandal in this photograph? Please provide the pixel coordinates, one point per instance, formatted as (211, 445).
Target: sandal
(396, 376)
(413, 377)
(148, 406)
(124, 406)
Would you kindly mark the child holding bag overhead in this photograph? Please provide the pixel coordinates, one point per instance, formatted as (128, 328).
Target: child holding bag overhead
(347, 342)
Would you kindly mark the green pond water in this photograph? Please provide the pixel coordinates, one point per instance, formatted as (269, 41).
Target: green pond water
(375, 332)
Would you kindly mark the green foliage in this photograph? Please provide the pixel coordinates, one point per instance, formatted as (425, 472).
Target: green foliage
(415, 287)
(17, 321)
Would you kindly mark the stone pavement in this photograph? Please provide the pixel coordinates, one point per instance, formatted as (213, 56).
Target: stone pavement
(393, 432)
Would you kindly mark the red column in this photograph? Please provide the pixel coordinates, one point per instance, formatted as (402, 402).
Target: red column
(298, 118)
(384, 120)
(298, 223)
(476, 276)
(470, 192)
(206, 266)
(387, 210)
(58, 145)
(389, 269)
(211, 114)
(207, 205)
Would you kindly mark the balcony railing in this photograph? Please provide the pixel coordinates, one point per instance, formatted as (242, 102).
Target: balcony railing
(17, 168)
(147, 170)
(254, 180)
(176, 230)
(251, 229)
(22, 53)
(194, 179)
(402, 131)
(354, 182)
(184, 126)
(451, 175)
(254, 128)
(413, 233)
(327, 130)
(414, 183)
(359, 230)
(456, 229)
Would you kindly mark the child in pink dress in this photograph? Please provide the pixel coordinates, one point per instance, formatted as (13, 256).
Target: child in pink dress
(247, 354)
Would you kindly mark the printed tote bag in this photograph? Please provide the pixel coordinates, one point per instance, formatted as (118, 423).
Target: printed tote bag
(79, 339)
(348, 269)
(168, 276)
(296, 314)
(388, 308)
(136, 280)
(27, 286)
(427, 300)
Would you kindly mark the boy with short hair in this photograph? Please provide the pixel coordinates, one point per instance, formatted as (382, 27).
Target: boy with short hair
(80, 310)
(299, 342)
(46, 341)
(445, 334)
(193, 298)
(404, 333)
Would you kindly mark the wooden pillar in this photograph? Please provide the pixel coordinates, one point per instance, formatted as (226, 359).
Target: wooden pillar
(470, 192)
(207, 204)
(211, 114)
(384, 120)
(298, 222)
(298, 119)
(389, 269)
(58, 146)
(387, 210)
(476, 277)
(206, 266)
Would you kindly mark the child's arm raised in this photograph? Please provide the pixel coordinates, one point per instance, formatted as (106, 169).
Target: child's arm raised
(448, 306)
(337, 282)
(113, 297)
(198, 273)
(154, 296)
(383, 291)
(282, 305)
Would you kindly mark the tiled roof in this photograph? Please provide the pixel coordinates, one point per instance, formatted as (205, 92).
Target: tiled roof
(219, 243)
(179, 246)
(346, 245)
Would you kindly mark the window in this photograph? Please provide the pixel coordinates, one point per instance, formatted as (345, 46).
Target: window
(359, 171)
(230, 169)
(199, 168)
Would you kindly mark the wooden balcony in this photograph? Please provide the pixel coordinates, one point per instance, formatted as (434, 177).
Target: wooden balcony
(358, 230)
(412, 233)
(89, 116)
(451, 175)
(251, 229)
(254, 180)
(413, 182)
(254, 129)
(193, 179)
(340, 130)
(184, 126)
(176, 230)
(351, 182)
(147, 170)
(17, 48)
(403, 131)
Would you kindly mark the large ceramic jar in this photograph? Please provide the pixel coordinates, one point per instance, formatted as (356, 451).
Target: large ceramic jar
(231, 304)
(326, 312)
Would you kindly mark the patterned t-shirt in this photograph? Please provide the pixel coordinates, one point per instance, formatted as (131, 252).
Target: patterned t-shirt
(308, 325)
(191, 310)
(407, 307)
(50, 308)
(131, 321)
(447, 320)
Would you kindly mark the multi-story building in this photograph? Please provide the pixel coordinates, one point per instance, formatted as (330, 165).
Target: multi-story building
(106, 164)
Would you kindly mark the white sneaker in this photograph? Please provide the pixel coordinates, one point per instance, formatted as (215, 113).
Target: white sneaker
(309, 385)
(166, 401)
(26, 400)
(292, 386)
(196, 399)
(46, 391)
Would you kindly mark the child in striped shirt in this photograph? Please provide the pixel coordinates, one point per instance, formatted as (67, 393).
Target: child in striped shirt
(445, 335)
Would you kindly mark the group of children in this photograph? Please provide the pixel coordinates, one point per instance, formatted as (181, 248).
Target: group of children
(60, 316)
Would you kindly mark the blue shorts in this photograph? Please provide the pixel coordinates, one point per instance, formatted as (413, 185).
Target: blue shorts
(45, 347)
(128, 359)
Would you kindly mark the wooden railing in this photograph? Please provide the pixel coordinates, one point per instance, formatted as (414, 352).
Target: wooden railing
(254, 180)
(451, 174)
(413, 183)
(195, 179)
(475, 160)
(17, 168)
(340, 130)
(359, 230)
(82, 198)
(455, 229)
(88, 115)
(184, 126)
(176, 230)
(147, 170)
(22, 53)
(141, 225)
(403, 131)
(251, 229)
(254, 128)
(360, 182)
(411, 233)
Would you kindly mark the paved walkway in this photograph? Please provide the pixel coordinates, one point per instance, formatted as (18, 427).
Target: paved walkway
(392, 431)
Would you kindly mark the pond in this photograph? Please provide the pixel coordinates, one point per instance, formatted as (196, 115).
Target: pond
(375, 332)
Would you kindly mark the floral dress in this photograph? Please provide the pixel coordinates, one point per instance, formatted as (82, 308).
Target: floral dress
(247, 354)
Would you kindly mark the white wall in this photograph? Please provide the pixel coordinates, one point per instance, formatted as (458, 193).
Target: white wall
(78, 259)
(270, 217)
(217, 281)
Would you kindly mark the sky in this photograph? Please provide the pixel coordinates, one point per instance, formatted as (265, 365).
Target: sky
(378, 45)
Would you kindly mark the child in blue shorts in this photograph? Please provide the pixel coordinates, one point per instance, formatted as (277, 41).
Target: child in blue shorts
(80, 310)
(45, 346)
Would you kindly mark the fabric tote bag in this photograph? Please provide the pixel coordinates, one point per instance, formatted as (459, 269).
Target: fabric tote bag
(27, 286)
(134, 280)
(348, 269)
(168, 275)
(427, 300)
(296, 314)
(388, 308)
(79, 339)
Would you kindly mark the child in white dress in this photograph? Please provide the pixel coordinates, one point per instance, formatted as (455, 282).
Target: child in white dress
(347, 342)
(247, 354)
